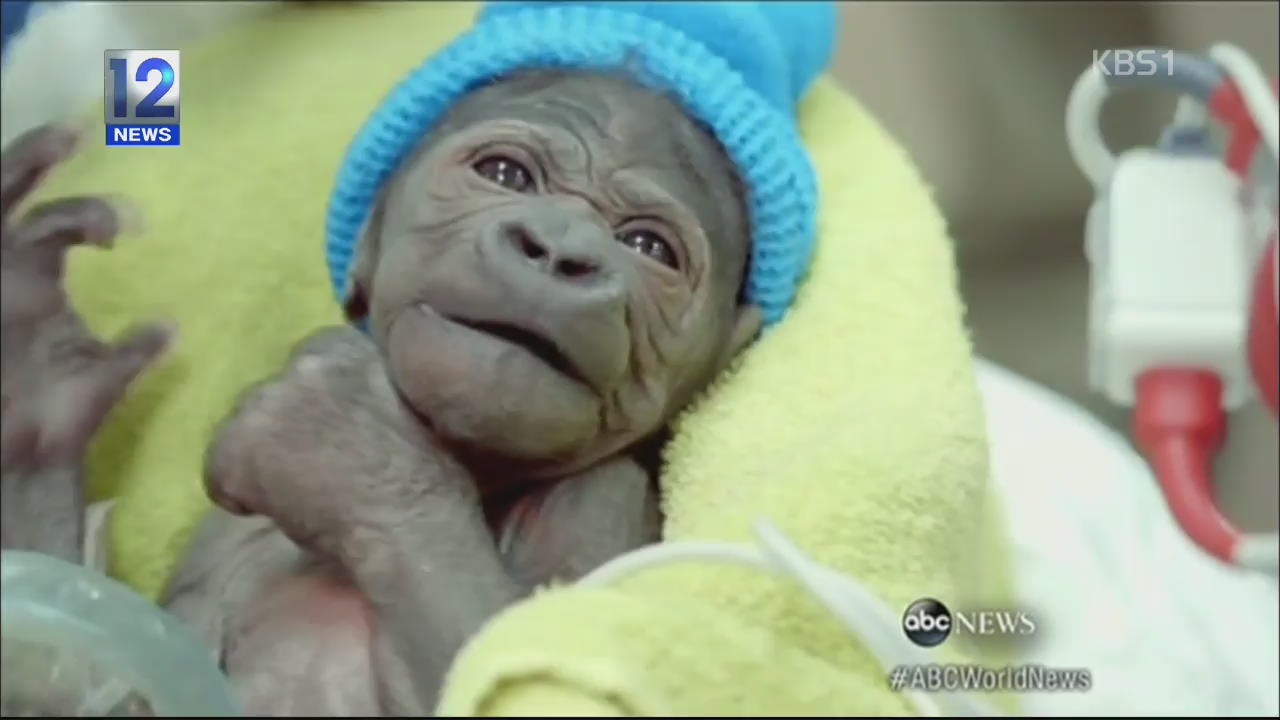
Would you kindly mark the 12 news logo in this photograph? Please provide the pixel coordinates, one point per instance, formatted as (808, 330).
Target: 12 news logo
(927, 622)
(142, 97)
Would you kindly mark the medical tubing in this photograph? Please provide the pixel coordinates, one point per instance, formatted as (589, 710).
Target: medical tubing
(1185, 73)
(1257, 96)
(855, 606)
(1264, 333)
(1179, 424)
(1234, 110)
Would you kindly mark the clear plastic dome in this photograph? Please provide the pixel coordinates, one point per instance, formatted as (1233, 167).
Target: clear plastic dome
(79, 644)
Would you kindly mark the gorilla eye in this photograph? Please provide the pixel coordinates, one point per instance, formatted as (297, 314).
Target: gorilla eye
(506, 172)
(648, 242)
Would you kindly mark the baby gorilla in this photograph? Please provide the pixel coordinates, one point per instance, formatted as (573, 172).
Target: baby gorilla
(549, 278)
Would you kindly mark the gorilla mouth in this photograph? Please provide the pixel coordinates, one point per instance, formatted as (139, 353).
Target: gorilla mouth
(537, 345)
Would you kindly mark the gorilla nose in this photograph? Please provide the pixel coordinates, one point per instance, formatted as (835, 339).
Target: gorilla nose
(566, 254)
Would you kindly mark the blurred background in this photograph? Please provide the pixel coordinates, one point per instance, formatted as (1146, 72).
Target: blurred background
(974, 90)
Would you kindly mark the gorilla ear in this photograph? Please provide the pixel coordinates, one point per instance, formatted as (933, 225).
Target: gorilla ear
(746, 327)
(355, 303)
(747, 322)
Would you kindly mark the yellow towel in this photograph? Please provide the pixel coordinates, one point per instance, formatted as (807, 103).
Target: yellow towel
(855, 425)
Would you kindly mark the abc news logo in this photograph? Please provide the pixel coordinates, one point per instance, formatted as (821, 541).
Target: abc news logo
(927, 622)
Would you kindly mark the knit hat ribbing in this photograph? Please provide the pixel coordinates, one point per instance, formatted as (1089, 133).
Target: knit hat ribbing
(738, 67)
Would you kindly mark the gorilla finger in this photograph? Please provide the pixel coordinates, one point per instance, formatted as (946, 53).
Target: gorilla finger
(81, 401)
(139, 349)
(343, 342)
(234, 460)
(123, 363)
(220, 497)
(52, 227)
(28, 158)
(224, 470)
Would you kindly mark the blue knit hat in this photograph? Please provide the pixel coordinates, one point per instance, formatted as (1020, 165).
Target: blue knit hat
(738, 67)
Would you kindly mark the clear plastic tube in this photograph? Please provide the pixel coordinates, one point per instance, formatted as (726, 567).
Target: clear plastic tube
(86, 635)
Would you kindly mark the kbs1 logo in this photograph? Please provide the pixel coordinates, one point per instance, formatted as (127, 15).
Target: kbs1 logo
(142, 97)
(1131, 63)
(927, 622)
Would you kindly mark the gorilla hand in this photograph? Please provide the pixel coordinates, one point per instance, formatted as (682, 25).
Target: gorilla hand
(328, 451)
(57, 380)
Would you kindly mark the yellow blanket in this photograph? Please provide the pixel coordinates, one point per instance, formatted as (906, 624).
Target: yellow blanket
(855, 425)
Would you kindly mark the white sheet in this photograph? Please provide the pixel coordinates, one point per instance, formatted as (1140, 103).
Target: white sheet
(1165, 629)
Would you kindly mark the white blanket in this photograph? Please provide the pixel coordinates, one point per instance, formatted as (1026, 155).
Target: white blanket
(1165, 629)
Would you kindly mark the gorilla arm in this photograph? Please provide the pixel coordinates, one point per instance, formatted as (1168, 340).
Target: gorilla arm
(340, 466)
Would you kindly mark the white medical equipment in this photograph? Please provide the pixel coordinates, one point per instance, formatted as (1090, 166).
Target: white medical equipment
(1181, 241)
